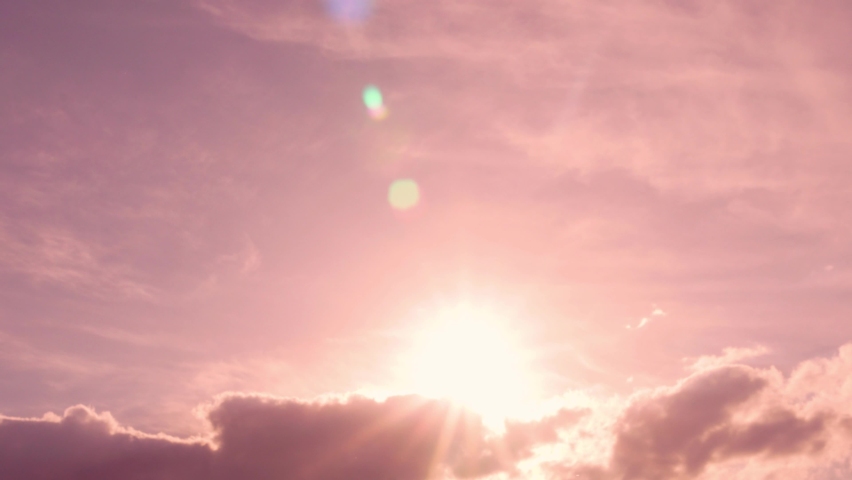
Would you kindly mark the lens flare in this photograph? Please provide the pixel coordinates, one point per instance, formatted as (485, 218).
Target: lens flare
(373, 97)
(374, 102)
(349, 11)
(378, 113)
(404, 194)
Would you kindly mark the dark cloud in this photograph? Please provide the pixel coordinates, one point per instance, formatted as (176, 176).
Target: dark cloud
(87, 446)
(678, 433)
(400, 438)
(674, 433)
(665, 435)
(405, 437)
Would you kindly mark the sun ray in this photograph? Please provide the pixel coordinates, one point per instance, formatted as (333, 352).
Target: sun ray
(448, 430)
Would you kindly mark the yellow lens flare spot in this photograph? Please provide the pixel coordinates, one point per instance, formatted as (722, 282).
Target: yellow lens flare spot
(468, 356)
(404, 194)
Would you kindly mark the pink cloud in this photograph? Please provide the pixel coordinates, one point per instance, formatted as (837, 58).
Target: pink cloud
(84, 444)
(697, 428)
(267, 437)
(678, 434)
(730, 355)
(727, 421)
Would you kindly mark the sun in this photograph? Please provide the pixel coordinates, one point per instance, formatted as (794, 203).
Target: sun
(470, 356)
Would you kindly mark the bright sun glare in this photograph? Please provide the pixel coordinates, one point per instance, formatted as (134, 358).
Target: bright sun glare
(469, 356)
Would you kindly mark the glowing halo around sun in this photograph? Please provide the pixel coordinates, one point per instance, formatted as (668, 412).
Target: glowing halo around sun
(469, 356)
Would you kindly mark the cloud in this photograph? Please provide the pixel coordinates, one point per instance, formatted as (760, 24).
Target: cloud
(657, 312)
(517, 443)
(55, 257)
(729, 421)
(260, 437)
(16, 353)
(677, 434)
(255, 436)
(458, 30)
(642, 323)
(85, 444)
(706, 137)
(729, 355)
(702, 99)
(402, 437)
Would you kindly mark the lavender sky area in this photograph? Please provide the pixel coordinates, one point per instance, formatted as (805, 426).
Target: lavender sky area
(317, 240)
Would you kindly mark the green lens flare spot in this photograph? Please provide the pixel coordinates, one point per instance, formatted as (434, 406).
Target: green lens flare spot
(373, 97)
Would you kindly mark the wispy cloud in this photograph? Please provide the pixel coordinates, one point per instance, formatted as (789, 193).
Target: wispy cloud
(18, 354)
(729, 356)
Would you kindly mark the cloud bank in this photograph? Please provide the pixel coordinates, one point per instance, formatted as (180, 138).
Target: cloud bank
(726, 417)
(260, 437)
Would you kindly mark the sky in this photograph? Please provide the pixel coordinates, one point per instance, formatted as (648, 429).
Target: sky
(398, 239)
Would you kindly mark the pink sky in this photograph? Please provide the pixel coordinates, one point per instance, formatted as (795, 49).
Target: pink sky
(201, 276)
